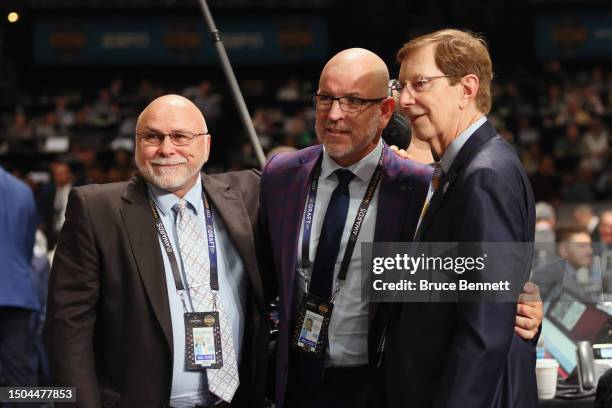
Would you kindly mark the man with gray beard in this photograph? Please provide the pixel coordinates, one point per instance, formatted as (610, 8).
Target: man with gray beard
(143, 267)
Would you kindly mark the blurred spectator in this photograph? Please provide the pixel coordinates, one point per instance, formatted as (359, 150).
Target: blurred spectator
(146, 93)
(65, 116)
(263, 127)
(555, 74)
(53, 199)
(531, 159)
(526, 134)
(102, 106)
(97, 175)
(579, 187)
(208, 102)
(127, 127)
(592, 102)
(584, 216)
(605, 227)
(18, 298)
(595, 145)
(297, 130)
(48, 127)
(573, 271)
(20, 129)
(551, 105)
(290, 92)
(116, 89)
(572, 113)
(546, 220)
(123, 168)
(603, 183)
(567, 149)
(546, 183)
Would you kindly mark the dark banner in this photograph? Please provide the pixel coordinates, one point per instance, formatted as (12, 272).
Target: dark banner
(160, 40)
(574, 36)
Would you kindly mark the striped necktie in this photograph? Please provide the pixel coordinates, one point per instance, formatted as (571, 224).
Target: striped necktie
(435, 183)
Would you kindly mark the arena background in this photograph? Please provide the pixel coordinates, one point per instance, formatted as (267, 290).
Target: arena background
(74, 74)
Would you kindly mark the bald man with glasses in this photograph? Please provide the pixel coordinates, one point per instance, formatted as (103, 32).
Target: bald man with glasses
(155, 297)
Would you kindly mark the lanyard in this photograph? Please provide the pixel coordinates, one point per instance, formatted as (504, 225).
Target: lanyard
(212, 250)
(357, 224)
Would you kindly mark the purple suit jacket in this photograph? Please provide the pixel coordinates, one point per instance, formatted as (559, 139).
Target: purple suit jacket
(284, 187)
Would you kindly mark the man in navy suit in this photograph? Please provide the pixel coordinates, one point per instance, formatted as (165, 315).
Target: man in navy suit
(18, 299)
(463, 354)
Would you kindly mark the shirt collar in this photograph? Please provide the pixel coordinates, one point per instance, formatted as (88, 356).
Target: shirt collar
(455, 147)
(165, 200)
(363, 169)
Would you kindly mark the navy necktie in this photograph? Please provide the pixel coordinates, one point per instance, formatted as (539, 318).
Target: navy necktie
(331, 235)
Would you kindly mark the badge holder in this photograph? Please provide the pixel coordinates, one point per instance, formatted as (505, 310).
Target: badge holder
(203, 341)
(310, 333)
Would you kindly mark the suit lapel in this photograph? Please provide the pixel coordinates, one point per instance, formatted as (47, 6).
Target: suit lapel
(393, 195)
(229, 205)
(393, 198)
(138, 220)
(483, 134)
(299, 178)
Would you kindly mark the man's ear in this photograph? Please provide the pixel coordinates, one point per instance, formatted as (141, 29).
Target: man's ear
(469, 89)
(387, 107)
(207, 154)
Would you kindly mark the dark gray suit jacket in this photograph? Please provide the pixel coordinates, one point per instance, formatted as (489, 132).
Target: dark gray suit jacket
(109, 332)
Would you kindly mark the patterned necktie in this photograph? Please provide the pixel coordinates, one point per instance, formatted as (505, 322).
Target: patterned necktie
(435, 183)
(331, 235)
(224, 381)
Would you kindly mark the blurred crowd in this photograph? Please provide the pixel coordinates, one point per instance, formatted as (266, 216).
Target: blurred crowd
(575, 254)
(558, 122)
(560, 125)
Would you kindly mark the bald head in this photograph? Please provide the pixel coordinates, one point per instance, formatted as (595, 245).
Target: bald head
(168, 104)
(361, 65)
(349, 127)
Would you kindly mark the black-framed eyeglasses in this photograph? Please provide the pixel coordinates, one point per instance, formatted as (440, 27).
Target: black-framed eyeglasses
(416, 84)
(151, 138)
(348, 104)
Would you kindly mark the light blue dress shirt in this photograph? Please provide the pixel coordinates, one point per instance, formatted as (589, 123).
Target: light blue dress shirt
(348, 328)
(454, 148)
(191, 387)
(449, 156)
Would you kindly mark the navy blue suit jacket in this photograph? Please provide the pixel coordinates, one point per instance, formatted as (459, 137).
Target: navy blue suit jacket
(18, 222)
(457, 355)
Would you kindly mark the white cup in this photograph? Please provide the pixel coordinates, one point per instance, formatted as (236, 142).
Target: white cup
(546, 376)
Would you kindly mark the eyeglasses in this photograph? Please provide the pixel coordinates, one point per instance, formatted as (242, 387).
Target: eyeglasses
(417, 84)
(348, 104)
(177, 138)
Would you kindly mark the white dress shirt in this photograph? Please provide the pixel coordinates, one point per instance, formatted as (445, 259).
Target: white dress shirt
(348, 328)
